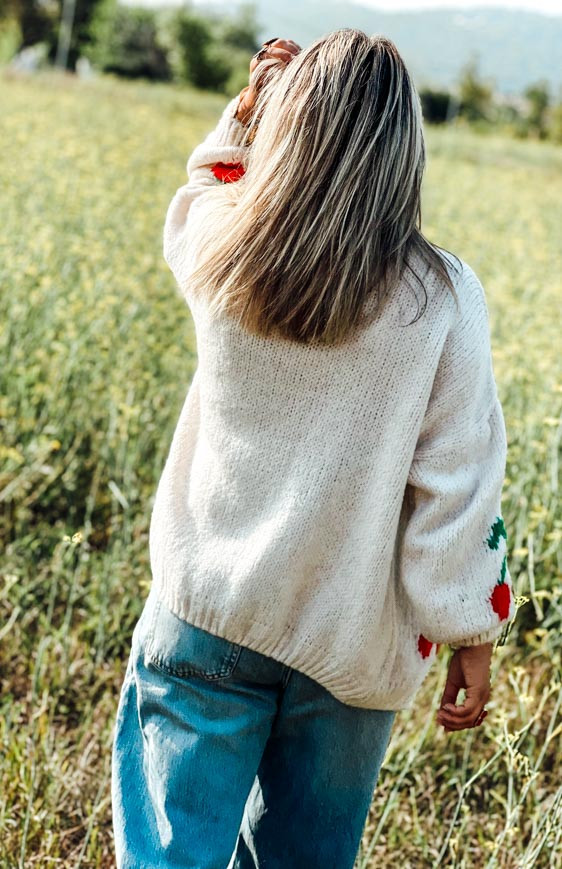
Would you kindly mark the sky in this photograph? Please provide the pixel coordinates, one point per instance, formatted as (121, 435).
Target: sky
(549, 7)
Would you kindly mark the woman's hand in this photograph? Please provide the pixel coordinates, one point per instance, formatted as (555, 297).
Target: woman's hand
(279, 50)
(469, 668)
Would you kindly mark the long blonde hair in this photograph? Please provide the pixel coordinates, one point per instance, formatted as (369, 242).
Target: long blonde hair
(324, 217)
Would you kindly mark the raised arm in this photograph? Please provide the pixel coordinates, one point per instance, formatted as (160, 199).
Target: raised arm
(220, 158)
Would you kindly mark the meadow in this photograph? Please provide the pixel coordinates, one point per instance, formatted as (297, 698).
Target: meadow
(97, 353)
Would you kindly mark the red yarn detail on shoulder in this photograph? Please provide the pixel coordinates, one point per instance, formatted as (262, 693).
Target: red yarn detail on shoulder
(424, 646)
(227, 172)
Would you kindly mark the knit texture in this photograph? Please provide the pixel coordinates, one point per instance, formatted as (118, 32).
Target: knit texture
(336, 508)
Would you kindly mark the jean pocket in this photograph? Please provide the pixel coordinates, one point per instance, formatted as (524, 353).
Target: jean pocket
(179, 648)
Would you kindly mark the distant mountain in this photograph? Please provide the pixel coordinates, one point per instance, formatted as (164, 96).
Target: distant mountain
(513, 48)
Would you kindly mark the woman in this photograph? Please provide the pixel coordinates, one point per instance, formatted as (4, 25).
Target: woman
(329, 511)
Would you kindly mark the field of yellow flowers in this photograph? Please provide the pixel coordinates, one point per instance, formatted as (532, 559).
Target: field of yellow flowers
(97, 353)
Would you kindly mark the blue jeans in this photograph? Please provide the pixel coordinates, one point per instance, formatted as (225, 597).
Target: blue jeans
(224, 758)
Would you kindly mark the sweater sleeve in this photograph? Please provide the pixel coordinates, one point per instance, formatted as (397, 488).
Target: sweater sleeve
(453, 563)
(220, 157)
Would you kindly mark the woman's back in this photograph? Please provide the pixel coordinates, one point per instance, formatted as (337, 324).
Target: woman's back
(278, 516)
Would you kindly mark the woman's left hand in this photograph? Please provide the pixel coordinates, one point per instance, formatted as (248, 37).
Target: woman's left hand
(280, 50)
(469, 668)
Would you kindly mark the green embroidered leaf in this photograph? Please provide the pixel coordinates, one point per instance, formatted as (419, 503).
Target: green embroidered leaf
(503, 569)
(498, 530)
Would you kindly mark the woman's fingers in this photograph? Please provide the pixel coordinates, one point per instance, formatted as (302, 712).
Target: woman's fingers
(279, 54)
(278, 49)
(287, 44)
(282, 53)
(461, 720)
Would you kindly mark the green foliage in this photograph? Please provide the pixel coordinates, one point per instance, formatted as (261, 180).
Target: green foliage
(555, 124)
(538, 97)
(203, 62)
(435, 105)
(125, 41)
(10, 38)
(238, 77)
(215, 50)
(241, 32)
(475, 96)
(39, 21)
(239, 40)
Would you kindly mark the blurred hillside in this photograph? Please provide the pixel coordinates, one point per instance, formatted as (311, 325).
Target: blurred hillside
(513, 48)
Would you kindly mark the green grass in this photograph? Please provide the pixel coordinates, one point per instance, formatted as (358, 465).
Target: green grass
(97, 353)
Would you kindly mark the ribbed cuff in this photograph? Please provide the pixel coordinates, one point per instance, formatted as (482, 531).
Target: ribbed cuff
(478, 639)
(225, 143)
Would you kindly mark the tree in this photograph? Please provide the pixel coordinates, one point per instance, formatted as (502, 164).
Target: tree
(435, 105)
(539, 99)
(10, 38)
(475, 96)
(204, 62)
(241, 32)
(39, 21)
(238, 36)
(555, 124)
(124, 40)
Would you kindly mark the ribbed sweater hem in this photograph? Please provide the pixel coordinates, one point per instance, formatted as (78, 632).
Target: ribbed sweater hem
(342, 686)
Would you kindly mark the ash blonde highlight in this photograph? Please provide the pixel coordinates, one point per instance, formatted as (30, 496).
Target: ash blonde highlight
(327, 215)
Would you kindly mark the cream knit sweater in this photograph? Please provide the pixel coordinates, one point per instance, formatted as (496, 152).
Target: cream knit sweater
(337, 508)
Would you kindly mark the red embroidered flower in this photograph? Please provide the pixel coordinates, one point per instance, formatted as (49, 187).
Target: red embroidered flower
(228, 171)
(501, 594)
(424, 646)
